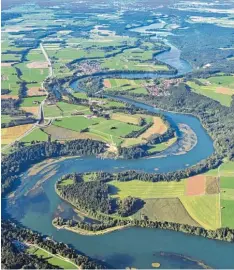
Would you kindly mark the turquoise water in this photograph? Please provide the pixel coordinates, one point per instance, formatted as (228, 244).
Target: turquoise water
(135, 247)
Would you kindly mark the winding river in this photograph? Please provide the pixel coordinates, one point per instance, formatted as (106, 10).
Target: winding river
(35, 204)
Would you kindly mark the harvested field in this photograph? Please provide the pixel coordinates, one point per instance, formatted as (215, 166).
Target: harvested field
(196, 185)
(38, 64)
(212, 185)
(132, 119)
(10, 134)
(32, 110)
(61, 134)
(170, 209)
(158, 127)
(107, 83)
(36, 91)
(225, 91)
(203, 209)
(9, 96)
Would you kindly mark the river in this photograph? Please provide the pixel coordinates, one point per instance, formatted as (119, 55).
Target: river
(134, 247)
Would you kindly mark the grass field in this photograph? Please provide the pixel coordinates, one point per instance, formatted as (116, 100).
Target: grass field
(203, 209)
(35, 135)
(10, 80)
(114, 128)
(147, 190)
(10, 134)
(76, 123)
(227, 208)
(66, 182)
(220, 88)
(126, 85)
(51, 258)
(52, 111)
(31, 101)
(68, 109)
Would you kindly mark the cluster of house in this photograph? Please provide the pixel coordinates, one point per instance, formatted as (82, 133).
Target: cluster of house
(161, 88)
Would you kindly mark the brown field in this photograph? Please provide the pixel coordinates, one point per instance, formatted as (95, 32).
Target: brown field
(36, 91)
(158, 127)
(62, 134)
(212, 185)
(9, 96)
(224, 90)
(107, 83)
(196, 185)
(38, 64)
(126, 118)
(33, 110)
(10, 134)
(170, 209)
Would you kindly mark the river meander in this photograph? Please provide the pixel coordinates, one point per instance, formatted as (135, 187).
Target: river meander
(35, 203)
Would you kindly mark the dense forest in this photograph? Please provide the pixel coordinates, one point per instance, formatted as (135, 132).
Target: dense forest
(14, 256)
(93, 197)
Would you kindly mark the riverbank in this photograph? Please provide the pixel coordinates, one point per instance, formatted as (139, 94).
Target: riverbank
(90, 233)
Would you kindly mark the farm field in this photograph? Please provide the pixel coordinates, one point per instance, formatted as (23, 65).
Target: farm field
(169, 209)
(35, 135)
(76, 123)
(133, 60)
(56, 260)
(204, 209)
(10, 81)
(126, 85)
(147, 190)
(31, 101)
(220, 88)
(10, 134)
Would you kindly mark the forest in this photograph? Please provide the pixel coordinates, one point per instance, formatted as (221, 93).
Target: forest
(15, 258)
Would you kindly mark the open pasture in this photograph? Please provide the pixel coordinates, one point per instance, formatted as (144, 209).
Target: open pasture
(31, 101)
(36, 135)
(205, 210)
(76, 123)
(11, 134)
(220, 88)
(161, 146)
(69, 109)
(52, 111)
(10, 80)
(115, 128)
(35, 91)
(146, 190)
